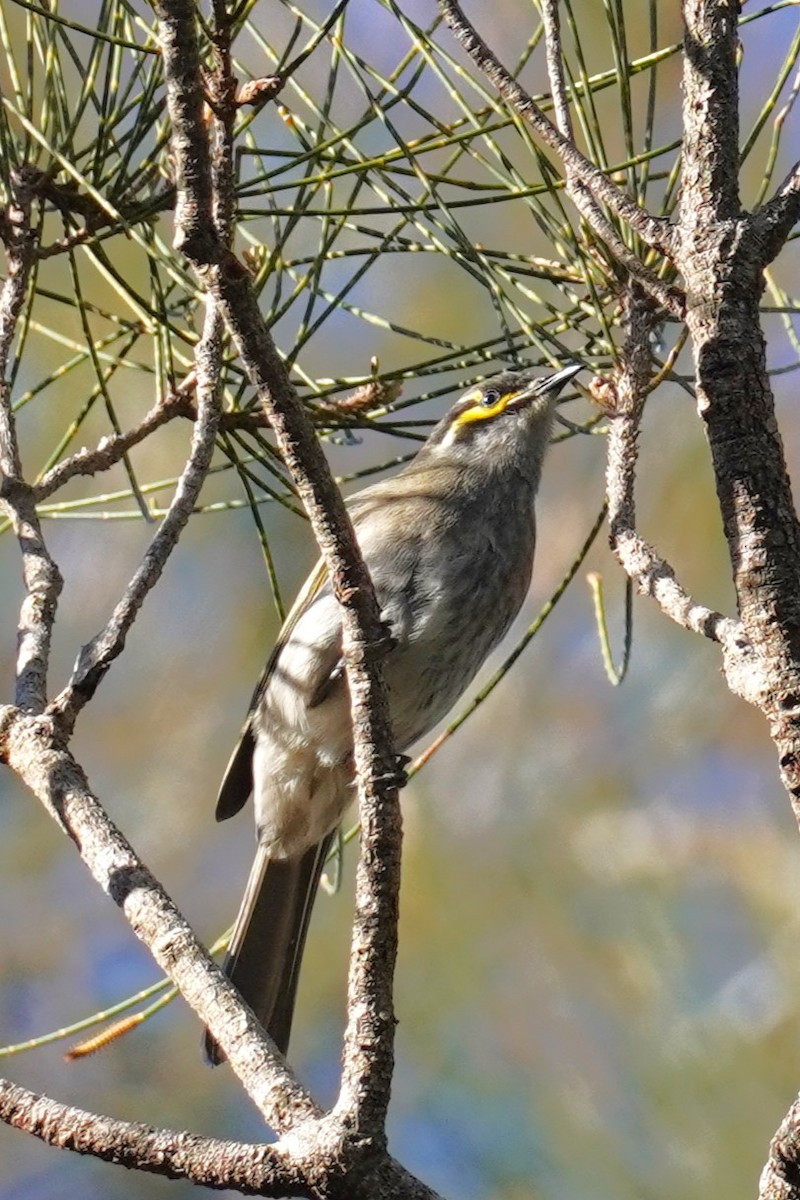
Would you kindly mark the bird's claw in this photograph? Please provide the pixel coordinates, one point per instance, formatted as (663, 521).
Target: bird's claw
(399, 776)
(390, 642)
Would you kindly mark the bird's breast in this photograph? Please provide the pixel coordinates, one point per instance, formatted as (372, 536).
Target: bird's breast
(449, 579)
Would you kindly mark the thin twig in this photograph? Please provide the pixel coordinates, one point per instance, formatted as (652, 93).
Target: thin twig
(96, 657)
(654, 231)
(614, 674)
(581, 195)
(775, 220)
(111, 449)
(651, 574)
(555, 69)
(41, 575)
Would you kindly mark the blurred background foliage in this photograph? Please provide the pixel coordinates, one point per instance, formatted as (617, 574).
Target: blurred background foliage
(597, 988)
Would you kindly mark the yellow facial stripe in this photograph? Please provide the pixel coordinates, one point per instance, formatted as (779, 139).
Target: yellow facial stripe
(482, 412)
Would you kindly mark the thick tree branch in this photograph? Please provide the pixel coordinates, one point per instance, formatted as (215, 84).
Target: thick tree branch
(195, 232)
(780, 1179)
(368, 1057)
(369, 1041)
(252, 1170)
(315, 1153)
(293, 1166)
(41, 575)
(710, 111)
(587, 184)
(721, 263)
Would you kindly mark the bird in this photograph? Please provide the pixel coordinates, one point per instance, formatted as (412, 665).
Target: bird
(449, 543)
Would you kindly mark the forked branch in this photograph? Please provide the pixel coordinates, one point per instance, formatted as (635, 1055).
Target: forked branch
(651, 574)
(208, 1162)
(369, 1041)
(588, 186)
(96, 657)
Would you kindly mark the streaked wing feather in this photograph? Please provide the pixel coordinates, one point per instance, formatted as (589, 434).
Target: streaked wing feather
(237, 782)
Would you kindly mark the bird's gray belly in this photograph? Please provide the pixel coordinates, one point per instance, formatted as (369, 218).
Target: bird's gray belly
(449, 632)
(447, 608)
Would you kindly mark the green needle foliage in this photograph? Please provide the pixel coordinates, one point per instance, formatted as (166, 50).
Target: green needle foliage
(404, 230)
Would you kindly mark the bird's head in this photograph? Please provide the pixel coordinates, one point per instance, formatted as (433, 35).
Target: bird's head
(508, 414)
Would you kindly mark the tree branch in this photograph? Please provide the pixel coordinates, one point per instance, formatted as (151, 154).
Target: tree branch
(721, 263)
(551, 20)
(41, 575)
(178, 403)
(654, 231)
(711, 111)
(775, 220)
(369, 1040)
(671, 298)
(780, 1179)
(209, 1162)
(34, 747)
(111, 449)
(651, 574)
(368, 1055)
(96, 657)
(292, 1166)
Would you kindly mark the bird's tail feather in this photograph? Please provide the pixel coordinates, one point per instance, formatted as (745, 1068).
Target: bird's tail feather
(266, 949)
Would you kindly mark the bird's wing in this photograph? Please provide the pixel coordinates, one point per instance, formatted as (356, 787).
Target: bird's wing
(237, 782)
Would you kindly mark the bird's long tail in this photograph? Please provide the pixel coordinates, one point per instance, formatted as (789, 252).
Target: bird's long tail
(266, 950)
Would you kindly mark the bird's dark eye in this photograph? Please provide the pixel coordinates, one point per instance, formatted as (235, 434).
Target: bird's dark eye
(490, 398)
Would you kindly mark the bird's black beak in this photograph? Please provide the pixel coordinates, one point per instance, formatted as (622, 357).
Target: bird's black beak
(544, 385)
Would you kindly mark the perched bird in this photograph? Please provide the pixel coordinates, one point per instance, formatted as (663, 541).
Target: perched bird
(449, 544)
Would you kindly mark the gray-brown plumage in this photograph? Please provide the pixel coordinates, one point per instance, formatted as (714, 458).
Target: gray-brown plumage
(449, 544)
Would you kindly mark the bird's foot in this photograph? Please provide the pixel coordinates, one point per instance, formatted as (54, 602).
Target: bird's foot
(389, 641)
(399, 776)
